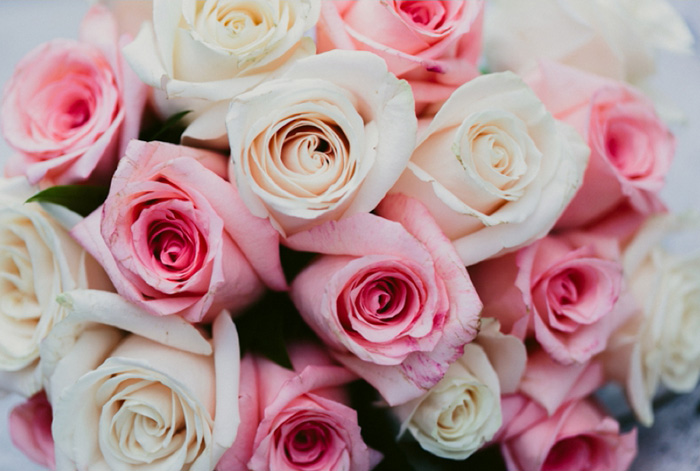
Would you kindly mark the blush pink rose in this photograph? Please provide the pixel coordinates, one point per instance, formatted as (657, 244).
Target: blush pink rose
(71, 107)
(561, 290)
(631, 147)
(578, 436)
(390, 297)
(30, 429)
(434, 45)
(296, 420)
(175, 238)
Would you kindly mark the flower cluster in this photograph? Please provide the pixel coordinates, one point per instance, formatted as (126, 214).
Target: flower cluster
(321, 235)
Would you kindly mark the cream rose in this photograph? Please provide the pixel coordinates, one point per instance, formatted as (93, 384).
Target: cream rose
(134, 392)
(210, 51)
(38, 261)
(463, 411)
(659, 345)
(325, 140)
(494, 167)
(615, 38)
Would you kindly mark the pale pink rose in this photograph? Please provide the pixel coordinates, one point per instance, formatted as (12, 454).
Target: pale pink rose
(435, 45)
(71, 107)
(389, 297)
(631, 147)
(561, 290)
(175, 238)
(296, 420)
(578, 436)
(30, 429)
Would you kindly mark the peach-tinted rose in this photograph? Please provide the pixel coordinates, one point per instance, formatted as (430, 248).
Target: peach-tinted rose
(175, 238)
(435, 45)
(631, 147)
(389, 297)
(296, 419)
(30, 429)
(71, 107)
(560, 289)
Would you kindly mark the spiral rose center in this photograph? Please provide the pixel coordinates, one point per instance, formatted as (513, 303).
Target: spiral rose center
(236, 25)
(307, 443)
(574, 453)
(429, 15)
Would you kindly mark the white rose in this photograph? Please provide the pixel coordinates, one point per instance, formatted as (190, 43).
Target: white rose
(659, 346)
(615, 38)
(156, 396)
(325, 140)
(38, 261)
(463, 411)
(494, 167)
(209, 51)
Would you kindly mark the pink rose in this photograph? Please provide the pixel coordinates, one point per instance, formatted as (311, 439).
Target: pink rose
(296, 420)
(578, 435)
(71, 107)
(390, 297)
(561, 289)
(631, 148)
(30, 429)
(175, 238)
(434, 45)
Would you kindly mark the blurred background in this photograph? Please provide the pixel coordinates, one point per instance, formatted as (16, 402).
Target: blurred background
(673, 443)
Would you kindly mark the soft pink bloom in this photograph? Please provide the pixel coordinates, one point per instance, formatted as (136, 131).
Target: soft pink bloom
(561, 289)
(71, 107)
(578, 435)
(175, 238)
(631, 147)
(296, 420)
(435, 45)
(30, 429)
(390, 296)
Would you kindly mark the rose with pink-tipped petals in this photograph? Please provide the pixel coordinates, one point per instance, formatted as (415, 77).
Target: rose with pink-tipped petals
(71, 107)
(175, 238)
(389, 297)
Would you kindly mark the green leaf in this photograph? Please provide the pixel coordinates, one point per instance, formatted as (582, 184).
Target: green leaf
(82, 199)
(169, 130)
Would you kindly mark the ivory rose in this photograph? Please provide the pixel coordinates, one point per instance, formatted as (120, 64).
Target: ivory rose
(297, 419)
(326, 140)
(463, 411)
(494, 168)
(202, 54)
(38, 261)
(71, 106)
(175, 238)
(435, 45)
(631, 147)
(30, 429)
(658, 345)
(616, 39)
(130, 391)
(389, 297)
(561, 289)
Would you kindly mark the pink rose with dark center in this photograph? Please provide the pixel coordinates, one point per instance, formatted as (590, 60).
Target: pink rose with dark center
(72, 106)
(631, 147)
(175, 238)
(297, 420)
(390, 297)
(30, 429)
(435, 45)
(561, 289)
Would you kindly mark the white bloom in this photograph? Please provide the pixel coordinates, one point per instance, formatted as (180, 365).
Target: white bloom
(614, 38)
(325, 140)
(158, 396)
(463, 411)
(210, 51)
(494, 167)
(38, 261)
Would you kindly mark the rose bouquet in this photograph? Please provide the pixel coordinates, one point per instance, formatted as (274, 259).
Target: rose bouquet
(343, 235)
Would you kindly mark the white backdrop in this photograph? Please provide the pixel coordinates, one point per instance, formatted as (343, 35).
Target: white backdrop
(27, 23)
